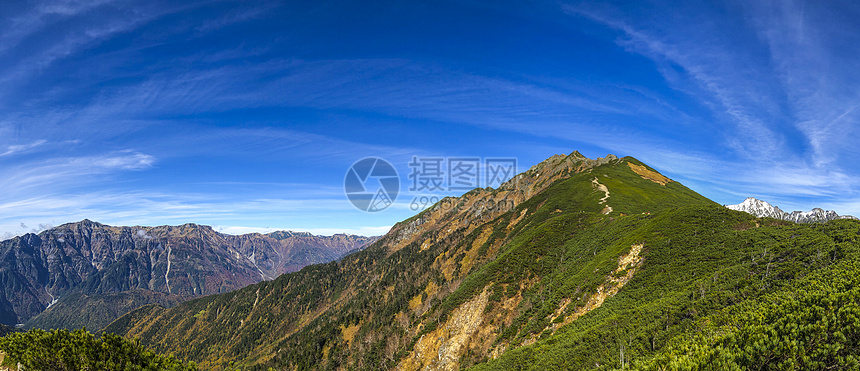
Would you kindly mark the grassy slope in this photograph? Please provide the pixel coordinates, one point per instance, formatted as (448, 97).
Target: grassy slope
(698, 260)
(567, 248)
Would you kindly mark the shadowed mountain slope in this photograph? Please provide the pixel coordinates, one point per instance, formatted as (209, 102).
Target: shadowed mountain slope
(87, 274)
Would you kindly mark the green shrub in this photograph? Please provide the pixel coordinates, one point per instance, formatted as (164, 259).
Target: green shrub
(38, 350)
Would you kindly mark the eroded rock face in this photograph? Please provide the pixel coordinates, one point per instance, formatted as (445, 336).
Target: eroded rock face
(441, 348)
(88, 258)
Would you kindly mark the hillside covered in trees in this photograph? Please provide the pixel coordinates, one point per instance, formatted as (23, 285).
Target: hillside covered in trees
(58, 350)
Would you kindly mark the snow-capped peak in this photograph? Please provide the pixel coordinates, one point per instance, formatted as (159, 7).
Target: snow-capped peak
(758, 208)
(763, 209)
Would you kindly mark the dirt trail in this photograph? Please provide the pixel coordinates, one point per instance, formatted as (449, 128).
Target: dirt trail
(167, 280)
(602, 188)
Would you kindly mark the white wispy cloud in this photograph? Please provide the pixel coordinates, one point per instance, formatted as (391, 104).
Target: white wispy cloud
(123, 160)
(95, 28)
(18, 148)
(34, 19)
(56, 173)
(239, 16)
(820, 82)
(714, 68)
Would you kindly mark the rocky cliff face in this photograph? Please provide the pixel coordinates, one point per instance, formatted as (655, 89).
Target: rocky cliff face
(763, 209)
(165, 264)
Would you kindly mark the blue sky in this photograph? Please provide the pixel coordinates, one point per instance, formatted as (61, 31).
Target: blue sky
(247, 115)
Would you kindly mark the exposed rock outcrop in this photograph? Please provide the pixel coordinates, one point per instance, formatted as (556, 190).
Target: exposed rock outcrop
(441, 348)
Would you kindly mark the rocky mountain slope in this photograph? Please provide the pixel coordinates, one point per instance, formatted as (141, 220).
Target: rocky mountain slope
(469, 279)
(763, 209)
(575, 264)
(88, 273)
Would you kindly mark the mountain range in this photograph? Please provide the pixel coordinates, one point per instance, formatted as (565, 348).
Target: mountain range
(577, 263)
(763, 209)
(88, 274)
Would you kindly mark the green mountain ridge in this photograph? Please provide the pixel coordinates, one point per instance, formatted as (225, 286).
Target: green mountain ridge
(414, 243)
(588, 264)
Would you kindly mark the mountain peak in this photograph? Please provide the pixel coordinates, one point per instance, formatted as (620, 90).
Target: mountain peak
(579, 156)
(87, 223)
(564, 164)
(281, 234)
